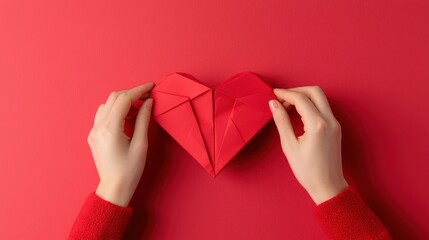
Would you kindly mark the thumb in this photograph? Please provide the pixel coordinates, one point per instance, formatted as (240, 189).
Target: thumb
(142, 124)
(282, 120)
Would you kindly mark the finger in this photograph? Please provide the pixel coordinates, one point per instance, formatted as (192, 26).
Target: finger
(135, 108)
(132, 113)
(287, 105)
(114, 95)
(142, 124)
(123, 103)
(144, 96)
(108, 105)
(97, 118)
(303, 105)
(317, 96)
(282, 121)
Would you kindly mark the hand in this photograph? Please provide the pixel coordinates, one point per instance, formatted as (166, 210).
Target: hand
(315, 157)
(120, 160)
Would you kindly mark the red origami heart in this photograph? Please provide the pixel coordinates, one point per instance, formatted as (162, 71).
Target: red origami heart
(213, 126)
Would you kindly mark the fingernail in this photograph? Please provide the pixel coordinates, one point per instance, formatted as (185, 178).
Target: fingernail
(149, 103)
(273, 105)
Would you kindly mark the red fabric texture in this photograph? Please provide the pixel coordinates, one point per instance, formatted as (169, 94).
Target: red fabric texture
(100, 219)
(346, 216)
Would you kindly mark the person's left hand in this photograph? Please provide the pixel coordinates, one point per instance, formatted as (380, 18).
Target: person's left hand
(120, 160)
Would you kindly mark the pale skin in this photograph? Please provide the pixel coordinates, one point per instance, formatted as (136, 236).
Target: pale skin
(315, 156)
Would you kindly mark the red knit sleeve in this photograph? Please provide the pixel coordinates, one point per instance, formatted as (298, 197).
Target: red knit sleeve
(346, 216)
(100, 219)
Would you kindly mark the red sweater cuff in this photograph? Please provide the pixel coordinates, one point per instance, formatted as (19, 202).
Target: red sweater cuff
(100, 219)
(346, 216)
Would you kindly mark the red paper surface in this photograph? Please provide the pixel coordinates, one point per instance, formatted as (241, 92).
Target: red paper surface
(60, 59)
(212, 126)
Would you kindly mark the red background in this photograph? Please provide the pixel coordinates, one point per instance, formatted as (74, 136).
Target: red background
(60, 59)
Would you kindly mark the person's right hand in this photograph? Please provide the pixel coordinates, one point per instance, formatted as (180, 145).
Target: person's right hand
(315, 157)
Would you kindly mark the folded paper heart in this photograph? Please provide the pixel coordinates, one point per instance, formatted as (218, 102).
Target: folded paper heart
(212, 125)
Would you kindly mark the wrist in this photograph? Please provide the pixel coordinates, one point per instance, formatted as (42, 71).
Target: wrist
(118, 196)
(325, 192)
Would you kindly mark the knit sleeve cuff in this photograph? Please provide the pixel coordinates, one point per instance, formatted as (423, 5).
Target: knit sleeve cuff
(346, 216)
(100, 219)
